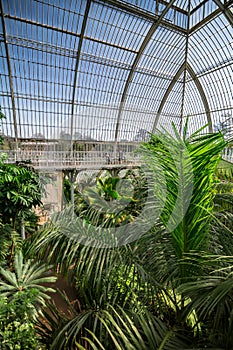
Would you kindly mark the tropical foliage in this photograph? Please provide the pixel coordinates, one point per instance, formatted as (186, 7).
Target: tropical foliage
(170, 287)
(112, 200)
(19, 191)
(17, 330)
(22, 294)
(10, 242)
(149, 253)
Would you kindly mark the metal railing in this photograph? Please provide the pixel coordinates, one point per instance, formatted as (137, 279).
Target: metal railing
(96, 157)
(77, 159)
(228, 154)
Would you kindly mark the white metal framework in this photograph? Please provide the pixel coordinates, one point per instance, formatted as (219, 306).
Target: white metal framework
(111, 70)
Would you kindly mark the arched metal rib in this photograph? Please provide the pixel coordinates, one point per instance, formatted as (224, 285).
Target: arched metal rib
(169, 89)
(199, 88)
(10, 76)
(185, 72)
(225, 10)
(202, 94)
(77, 65)
(135, 63)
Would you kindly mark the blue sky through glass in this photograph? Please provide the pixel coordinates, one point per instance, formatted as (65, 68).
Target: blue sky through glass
(43, 40)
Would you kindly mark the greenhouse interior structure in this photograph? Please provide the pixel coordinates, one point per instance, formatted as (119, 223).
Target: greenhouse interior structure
(116, 174)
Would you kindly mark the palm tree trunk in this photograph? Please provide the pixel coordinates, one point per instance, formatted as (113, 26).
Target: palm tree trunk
(22, 230)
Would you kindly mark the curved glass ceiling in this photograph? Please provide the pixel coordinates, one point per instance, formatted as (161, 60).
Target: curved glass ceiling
(108, 69)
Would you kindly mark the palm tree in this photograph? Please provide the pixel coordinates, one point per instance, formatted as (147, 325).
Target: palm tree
(25, 276)
(22, 296)
(143, 294)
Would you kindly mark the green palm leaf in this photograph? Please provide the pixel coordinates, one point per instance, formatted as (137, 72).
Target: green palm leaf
(26, 275)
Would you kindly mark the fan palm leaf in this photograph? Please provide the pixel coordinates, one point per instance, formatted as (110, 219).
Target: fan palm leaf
(26, 276)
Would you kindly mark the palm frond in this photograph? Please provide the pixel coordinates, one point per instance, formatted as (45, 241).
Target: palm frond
(25, 277)
(187, 181)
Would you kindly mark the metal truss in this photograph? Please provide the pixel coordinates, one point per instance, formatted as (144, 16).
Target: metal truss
(105, 70)
(185, 66)
(137, 59)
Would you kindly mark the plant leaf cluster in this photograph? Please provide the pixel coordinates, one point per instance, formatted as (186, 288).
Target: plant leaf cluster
(168, 288)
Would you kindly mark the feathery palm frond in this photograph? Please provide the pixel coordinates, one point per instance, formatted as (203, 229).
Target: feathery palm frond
(117, 328)
(188, 169)
(212, 299)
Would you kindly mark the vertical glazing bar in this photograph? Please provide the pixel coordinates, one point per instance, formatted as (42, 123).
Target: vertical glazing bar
(10, 77)
(76, 71)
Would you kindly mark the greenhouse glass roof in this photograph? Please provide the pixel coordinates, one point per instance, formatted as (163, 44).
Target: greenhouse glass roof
(111, 69)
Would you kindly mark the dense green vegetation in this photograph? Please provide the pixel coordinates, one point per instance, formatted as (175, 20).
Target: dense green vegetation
(21, 295)
(149, 253)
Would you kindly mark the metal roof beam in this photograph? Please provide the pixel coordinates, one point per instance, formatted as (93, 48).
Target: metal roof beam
(145, 42)
(63, 31)
(225, 9)
(169, 89)
(10, 76)
(202, 94)
(212, 69)
(185, 73)
(76, 68)
(138, 10)
(143, 14)
(204, 21)
(177, 8)
(210, 17)
(199, 88)
(198, 6)
(43, 25)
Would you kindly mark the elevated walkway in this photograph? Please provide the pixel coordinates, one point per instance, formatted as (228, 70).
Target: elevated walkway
(78, 163)
(93, 159)
(81, 160)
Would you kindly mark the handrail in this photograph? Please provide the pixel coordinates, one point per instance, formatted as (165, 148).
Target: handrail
(83, 158)
(63, 159)
(228, 154)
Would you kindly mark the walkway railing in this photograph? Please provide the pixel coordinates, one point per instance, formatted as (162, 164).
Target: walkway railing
(80, 159)
(228, 154)
(95, 157)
